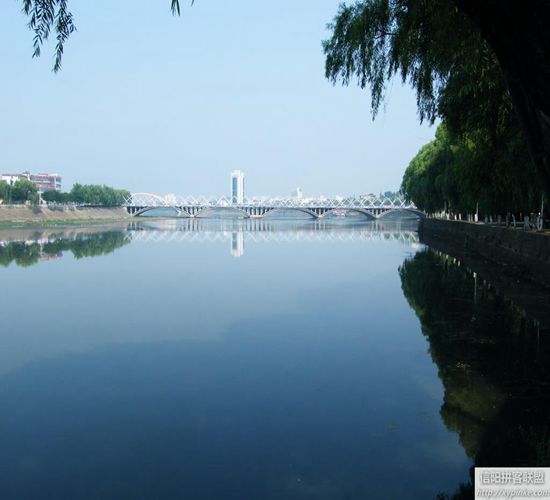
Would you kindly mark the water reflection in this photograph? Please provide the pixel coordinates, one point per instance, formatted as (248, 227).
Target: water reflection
(492, 358)
(27, 248)
(40, 247)
(237, 232)
(172, 370)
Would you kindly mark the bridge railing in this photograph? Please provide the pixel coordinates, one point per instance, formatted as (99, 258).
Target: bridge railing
(173, 201)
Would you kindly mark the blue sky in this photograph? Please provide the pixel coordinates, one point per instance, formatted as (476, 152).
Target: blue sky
(150, 102)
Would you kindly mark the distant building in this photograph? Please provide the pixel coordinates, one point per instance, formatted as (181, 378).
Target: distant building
(298, 193)
(44, 182)
(367, 197)
(237, 187)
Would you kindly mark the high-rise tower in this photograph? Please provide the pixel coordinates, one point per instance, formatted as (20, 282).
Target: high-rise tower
(237, 187)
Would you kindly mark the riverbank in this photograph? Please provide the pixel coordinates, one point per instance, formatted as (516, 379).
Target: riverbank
(523, 255)
(16, 216)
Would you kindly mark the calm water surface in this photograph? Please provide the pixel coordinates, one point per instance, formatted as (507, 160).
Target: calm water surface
(249, 360)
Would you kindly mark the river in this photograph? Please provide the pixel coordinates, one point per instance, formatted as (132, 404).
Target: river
(258, 360)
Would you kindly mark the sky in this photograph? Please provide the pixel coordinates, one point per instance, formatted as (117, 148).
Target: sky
(154, 103)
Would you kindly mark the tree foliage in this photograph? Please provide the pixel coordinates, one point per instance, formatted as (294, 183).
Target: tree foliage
(46, 16)
(439, 48)
(23, 190)
(20, 191)
(4, 191)
(423, 42)
(467, 172)
(90, 194)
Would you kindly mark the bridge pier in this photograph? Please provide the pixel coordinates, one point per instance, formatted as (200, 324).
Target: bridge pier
(192, 211)
(134, 210)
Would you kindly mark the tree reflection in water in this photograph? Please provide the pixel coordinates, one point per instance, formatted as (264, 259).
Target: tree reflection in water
(493, 361)
(28, 253)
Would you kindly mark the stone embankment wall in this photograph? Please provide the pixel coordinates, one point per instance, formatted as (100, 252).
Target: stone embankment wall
(524, 253)
(26, 214)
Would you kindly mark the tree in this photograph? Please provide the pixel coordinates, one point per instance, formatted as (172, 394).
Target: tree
(442, 48)
(420, 179)
(4, 191)
(468, 171)
(55, 197)
(47, 15)
(518, 34)
(24, 190)
(90, 194)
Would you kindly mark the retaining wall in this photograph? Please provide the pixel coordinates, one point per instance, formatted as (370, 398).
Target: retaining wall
(26, 214)
(526, 253)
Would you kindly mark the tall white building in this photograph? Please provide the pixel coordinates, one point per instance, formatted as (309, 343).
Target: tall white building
(237, 187)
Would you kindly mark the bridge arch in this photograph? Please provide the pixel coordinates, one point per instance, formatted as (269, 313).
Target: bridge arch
(219, 210)
(292, 209)
(146, 200)
(362, 211)
(413, 211)
(143, 210)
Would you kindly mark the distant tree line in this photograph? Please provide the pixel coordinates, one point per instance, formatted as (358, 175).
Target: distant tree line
(23, 190)
(20, 191)
(89, 194)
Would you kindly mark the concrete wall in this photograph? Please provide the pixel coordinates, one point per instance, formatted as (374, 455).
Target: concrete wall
(42, 214)
(524, 253)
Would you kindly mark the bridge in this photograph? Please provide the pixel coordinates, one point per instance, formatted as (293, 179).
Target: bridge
(371, 207)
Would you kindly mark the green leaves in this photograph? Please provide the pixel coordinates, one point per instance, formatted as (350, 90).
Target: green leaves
(47, 15)
(480, 154)
(23, 190)
(90, 194)
(424, 43)
(175, 7)
(4, 192)
(469, 170)
(93, 194)
(360, 46)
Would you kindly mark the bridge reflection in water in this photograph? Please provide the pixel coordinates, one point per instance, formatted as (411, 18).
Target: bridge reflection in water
(26, 247)
(235, 232)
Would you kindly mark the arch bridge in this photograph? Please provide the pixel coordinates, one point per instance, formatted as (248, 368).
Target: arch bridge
(371, 207)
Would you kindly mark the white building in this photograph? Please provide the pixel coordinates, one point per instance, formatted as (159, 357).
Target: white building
(44, 182)
(237, 187)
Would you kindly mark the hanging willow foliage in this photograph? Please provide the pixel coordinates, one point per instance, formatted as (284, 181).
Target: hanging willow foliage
(46, 16)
